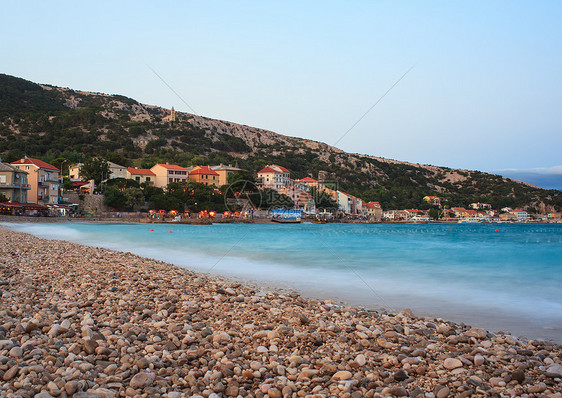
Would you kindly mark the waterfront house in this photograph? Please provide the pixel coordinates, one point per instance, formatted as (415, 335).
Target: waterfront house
(458, 211)
(141, 175)
(302, 199)
(167, 173)
(43, 179)
(13, 183)
(274, 177)
(204, 175)
(520, 215)
(469, 214)
(345, 202)
(374, 211)
(411, 213)
(224, 172)
(508, 217)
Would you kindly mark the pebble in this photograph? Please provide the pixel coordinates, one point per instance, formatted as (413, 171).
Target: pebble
(479, 360)
(342, 375)
(518, 375)
(400, 375)
(452, 363)
(361, 360)
(142, 380)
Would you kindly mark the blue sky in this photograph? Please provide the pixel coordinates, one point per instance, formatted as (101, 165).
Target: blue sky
(485, 92)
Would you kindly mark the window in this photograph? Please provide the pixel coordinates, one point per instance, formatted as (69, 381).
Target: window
(137, 179)
(3, 179)
(147, 179)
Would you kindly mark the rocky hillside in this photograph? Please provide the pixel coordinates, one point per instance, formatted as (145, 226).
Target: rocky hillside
(50, 122)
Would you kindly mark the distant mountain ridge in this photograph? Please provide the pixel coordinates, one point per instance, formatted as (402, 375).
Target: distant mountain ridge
(47, 122)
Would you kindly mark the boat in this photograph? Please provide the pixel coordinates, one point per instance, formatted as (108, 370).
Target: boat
(286, 216)
(470, 220)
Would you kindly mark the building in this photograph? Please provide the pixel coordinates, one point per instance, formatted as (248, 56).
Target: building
(458, 211)
(480, 206)
(171, 117)
(167, 173)
(469, 214)
(274, 177)
(521, 215)
(43, 179)
(345, 202)
(302, 199)
(204, 175)
(13, 183)
(374, 211)
(224, 172)
(115, 171)
(508, 217)
(433, 200)
(141, 175)
(306, 183)
(74, 171)
(411, 213)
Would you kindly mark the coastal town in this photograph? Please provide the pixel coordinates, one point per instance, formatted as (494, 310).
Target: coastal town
(32, 186)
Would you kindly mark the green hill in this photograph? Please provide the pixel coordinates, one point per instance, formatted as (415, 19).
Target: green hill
(49, 122)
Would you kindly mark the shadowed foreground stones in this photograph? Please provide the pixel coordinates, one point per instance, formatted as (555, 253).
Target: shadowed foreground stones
(85, 322)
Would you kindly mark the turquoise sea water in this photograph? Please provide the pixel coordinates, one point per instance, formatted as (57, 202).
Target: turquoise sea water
(505, 280)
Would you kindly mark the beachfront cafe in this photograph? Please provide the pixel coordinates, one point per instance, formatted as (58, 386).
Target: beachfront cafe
(23, 209)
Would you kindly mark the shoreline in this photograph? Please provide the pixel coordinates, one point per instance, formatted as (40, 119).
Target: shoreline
(205, 335)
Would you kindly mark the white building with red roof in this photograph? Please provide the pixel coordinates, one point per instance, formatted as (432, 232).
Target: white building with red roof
(274, 177)
(167, 173)
(306, 183)
(43, 179)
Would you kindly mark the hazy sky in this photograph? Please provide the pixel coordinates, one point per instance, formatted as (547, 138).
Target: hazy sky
(485, 92)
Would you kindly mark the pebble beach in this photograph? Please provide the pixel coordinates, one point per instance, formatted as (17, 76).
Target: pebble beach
(78, 321)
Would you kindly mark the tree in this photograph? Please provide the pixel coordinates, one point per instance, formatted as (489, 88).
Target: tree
(66, 183)
(434, 213)
(114, 198)
(3, 198)
(242, 175)
(96, 169)
(322, 200)
(133, 197)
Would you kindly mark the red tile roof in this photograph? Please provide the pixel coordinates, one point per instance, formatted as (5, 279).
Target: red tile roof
(372, 205)
(141, 172)
(36, 162)
(171, 166)
(203, 170)
(307, 179)
(274, 169)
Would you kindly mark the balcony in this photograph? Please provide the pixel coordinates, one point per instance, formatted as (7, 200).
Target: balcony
(43, 198)
(14, 186)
